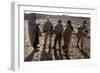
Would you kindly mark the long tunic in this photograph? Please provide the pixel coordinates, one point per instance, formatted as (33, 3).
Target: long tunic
(67, 35)
(32, 27)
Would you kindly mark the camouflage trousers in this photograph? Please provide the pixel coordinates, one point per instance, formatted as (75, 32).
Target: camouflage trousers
(58, 39)
(47, 35)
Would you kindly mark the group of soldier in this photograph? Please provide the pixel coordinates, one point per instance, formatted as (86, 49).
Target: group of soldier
(60, 33)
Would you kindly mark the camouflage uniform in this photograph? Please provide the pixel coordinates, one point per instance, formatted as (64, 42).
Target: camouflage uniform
(58, 38)
(58, 34)
(48, 31)
(82, 33)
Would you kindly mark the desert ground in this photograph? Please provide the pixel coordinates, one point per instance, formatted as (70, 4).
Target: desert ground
(74, 52)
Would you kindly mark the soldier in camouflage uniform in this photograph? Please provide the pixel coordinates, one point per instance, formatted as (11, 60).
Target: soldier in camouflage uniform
(82, 33)
(58, 33)
(58, 36)
(48, 31)
(67, 38)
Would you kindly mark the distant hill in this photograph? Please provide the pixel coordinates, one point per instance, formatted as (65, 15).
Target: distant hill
(39, 16)
(64, 18)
